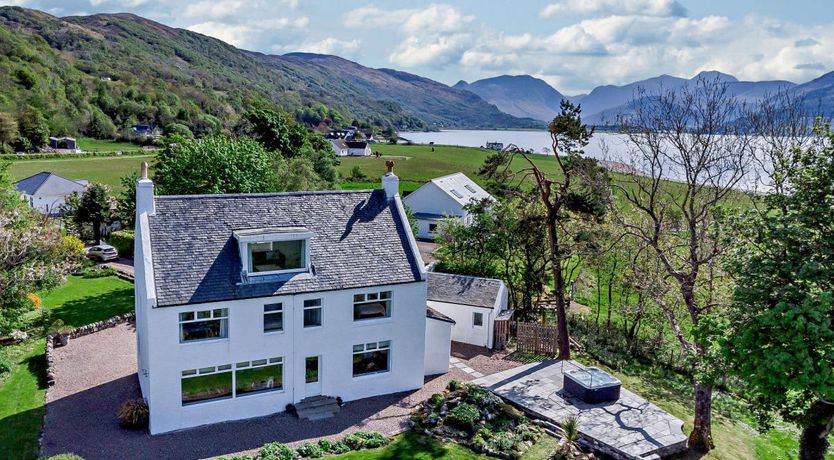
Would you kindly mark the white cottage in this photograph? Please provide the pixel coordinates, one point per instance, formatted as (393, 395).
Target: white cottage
(340, 147)
(358, 148)
(248, 302)
(442, 198)
(472, 303)
(47, 192)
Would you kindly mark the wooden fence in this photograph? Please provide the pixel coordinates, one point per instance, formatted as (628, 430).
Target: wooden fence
(535, 338)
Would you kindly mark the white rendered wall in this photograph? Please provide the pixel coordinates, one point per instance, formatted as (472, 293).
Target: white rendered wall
(45, 204)
(464, 330)
(438, 346)
(433, 200)
(333, 342)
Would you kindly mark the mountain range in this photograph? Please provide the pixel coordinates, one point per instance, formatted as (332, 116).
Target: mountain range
(526, 96)
(100, 73)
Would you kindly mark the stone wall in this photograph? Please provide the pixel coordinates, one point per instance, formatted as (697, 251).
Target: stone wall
(55, 340)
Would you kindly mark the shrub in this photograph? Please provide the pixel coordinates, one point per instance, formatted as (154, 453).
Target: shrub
(454, 385)
(437, 401)
(354, 441)
(290, 408)
(339, 447)
(463, 416)
(373, 439)
(5, 364)
(122, 240)
(311, 450)
(97, 271)
(276, 451)
(65, 457)
(503, 442)
(134, 414)
(571, 427)
(326, 444)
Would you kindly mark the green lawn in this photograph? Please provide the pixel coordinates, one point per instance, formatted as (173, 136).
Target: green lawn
(105, 145)
(105, 170)
(78, 302)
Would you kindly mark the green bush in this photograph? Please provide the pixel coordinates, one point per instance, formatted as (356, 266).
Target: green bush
(65, 457)
(339, 447)
(5, 364)
(454, 385)
(354, 441)
(122, 240)
(437, 401)
(97, 271)
(325, 444)
(373, 439)
(308, 450)
(276, 451)
(463, 416)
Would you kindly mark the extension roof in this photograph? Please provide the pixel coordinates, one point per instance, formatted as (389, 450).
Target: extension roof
(463, 290)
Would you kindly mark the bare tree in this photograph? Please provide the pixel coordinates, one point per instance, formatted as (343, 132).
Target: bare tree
(575, 194)
(693, 137)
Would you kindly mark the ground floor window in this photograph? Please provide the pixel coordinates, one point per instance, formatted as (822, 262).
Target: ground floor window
(259, 376)
(220, 382)
(371, 358)
(477, 319)
(206, 384)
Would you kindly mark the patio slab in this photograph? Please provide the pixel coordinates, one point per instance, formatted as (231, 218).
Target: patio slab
(629, 428)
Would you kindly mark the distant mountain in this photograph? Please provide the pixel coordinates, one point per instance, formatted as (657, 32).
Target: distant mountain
(819, 94)
(95, 74)
(520, 95)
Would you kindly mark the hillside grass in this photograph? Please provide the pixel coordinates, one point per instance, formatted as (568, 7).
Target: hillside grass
(78, 302)
(89, 144)
(104, 170)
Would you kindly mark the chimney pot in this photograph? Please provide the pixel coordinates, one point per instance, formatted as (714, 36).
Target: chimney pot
(390, 181)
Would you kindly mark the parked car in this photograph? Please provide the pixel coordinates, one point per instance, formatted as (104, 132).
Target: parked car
(102, 252)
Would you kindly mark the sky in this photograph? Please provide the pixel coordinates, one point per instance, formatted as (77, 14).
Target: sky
(575, 45)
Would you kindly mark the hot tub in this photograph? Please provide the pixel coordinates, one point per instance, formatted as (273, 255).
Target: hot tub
(592, 385)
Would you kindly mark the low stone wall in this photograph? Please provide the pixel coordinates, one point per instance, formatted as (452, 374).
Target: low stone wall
(52, 340)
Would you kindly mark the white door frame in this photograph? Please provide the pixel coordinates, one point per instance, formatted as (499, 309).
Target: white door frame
(312, 388)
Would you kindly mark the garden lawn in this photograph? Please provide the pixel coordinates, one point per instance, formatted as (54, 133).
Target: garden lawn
(105, 170)
(78, 302)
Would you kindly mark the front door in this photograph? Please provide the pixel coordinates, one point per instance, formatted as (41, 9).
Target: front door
(312, 375)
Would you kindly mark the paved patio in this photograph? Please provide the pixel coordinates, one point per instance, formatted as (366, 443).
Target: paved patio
(629, 428)
(97, 372)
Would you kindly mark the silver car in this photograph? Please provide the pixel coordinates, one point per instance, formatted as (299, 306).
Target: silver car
(102, 252)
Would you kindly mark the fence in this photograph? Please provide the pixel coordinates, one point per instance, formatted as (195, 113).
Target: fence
(535, 338)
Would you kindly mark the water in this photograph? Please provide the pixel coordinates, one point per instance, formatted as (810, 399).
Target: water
(603, 146)
(593, 377)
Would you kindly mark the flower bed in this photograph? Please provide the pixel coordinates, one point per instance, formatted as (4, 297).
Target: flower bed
(353, 442)
(472, 416)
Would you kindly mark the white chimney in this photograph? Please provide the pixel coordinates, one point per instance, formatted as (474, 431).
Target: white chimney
(390, 181)
(144, 194)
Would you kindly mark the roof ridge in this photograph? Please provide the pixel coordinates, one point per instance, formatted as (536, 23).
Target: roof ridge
(450, 175)
(465, 276)
(265, 194)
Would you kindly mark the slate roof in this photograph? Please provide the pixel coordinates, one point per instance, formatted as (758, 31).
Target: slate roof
(359, 241)
(356, 144)
(431, 313)
(461, 188)
(463, 290)
(48, 184)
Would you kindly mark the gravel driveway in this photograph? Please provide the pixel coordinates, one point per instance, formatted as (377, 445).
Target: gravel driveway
(96, 373)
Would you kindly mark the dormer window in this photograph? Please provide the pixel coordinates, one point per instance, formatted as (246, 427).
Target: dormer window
(274, 250)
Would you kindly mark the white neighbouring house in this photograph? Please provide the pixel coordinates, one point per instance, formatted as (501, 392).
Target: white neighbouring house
(442, 198)
(248, 302)
(46, 192)
(358, 148)
(340, 147)
(472, 303)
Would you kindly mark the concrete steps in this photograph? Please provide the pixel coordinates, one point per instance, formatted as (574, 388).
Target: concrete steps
(317, 408)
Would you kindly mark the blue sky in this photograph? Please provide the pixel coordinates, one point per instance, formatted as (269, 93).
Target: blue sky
(574, 45)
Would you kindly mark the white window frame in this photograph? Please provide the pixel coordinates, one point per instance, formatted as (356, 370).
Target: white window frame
(197, 319)
(312, 307)
(371, 347)
(246, 238)
(475, 315)
(279, 312)
(378, 296)
(244, 365)
(202, 371)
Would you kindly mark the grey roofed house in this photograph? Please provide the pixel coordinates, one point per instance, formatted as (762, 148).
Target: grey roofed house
(49, 184)
(462, 290)
(359, 240)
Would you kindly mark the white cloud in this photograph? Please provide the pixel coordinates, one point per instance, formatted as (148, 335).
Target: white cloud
(659, 8)
(237, 35)
(371, 16)
(329, 45)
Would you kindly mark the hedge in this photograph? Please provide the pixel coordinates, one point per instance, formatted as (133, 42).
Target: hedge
(122, 240)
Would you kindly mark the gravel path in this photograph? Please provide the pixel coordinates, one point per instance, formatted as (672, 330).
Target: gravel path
(122, 265)
(96, 373)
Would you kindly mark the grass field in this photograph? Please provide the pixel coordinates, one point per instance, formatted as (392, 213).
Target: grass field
(78, 302)
(88, 144)
(105, 170)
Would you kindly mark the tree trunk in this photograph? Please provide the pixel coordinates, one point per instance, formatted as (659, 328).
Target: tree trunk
(559, 289)
(701, 437)
(813, 443)
(97, 232)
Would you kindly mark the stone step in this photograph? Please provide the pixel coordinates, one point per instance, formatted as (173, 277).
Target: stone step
(317, 408)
